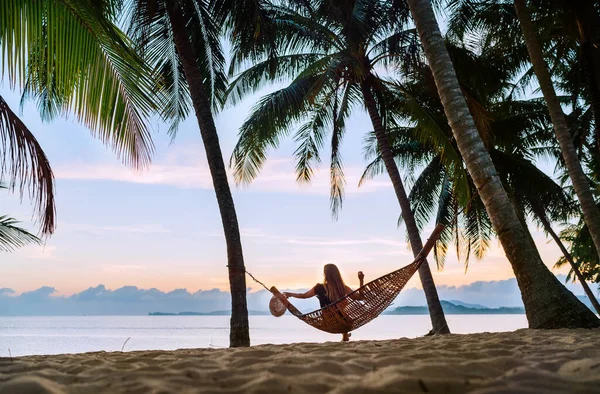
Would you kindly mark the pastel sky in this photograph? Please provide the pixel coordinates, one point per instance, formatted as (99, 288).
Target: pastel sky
(161, 227)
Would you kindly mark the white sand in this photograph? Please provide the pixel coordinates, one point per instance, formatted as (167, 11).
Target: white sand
(524, 361)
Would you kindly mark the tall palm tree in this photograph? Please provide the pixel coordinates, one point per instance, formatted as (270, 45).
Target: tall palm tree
(444, 190)
(181, 40)
(548, 304)
(95, 75)
(565, 31)
(581, 184)
(331, 51)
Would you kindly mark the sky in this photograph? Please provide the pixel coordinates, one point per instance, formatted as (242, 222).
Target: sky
(160, 228)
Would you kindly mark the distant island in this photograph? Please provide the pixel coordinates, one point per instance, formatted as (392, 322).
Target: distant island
(214, 313)
(451, 308)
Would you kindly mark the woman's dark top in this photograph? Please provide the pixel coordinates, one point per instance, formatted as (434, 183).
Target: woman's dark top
(321, 294)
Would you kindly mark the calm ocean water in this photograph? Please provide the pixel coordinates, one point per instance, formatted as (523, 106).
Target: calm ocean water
(77, 334)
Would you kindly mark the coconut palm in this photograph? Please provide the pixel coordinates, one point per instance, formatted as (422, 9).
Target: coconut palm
(444, 190)
(70, 57)
(581, 185)
(330, 51)
(547, 303)
(180, 39)
(517, 132)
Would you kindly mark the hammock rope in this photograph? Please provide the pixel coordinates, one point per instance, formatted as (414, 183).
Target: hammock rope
(257, 281)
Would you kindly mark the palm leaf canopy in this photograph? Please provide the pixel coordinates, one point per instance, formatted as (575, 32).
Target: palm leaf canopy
(71, 58)
(516, 133)
(325, 50)
(149, 27)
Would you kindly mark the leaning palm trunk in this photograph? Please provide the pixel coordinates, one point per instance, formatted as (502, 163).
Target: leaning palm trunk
(239, 334)
(438, 319)
(591, 213)
(548, 304)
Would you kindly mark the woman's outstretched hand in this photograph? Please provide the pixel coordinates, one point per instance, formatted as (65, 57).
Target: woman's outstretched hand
(288, 295)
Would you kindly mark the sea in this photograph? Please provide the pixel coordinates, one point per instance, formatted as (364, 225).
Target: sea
(22, 336)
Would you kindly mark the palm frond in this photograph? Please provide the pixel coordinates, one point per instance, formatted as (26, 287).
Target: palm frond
(24, 165)
(310, 138)
(71, 58)
(270, 119)
(336, 172)
(446, 213)
(257, 76)
(425, 192)
(12, 236)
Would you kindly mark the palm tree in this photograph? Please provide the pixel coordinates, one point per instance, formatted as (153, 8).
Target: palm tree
(94, 74)
(564, 29)
(181, 41)
(330, 50)
(436, 195)
(581, 184)
(547, 303)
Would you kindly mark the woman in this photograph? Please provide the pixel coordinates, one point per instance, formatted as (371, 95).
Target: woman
(332, 289)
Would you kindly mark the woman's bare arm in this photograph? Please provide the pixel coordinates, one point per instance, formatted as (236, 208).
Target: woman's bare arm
(308, 294)
(359, 295)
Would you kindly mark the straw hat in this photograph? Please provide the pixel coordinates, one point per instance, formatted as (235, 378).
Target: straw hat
(276, 307)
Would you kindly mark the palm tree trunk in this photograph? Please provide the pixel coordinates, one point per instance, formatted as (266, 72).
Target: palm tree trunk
(590, 294)
(591, 213)
(239, 331)
(548, 304)
(438, 319)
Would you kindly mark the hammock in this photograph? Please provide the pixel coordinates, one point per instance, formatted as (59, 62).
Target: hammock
(364, 304)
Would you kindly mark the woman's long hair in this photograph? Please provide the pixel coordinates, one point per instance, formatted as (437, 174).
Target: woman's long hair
(333, 282)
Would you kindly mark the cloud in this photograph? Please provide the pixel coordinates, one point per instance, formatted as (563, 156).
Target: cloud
(488, 293)
(124, 267)
(41, 294)
(130, 229)
(6, 292)
(44, 253)
(131, 300)
(191, 172)
(315, 241)
(346, 242)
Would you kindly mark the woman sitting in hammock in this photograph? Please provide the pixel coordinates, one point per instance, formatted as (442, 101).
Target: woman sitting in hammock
(332, 289)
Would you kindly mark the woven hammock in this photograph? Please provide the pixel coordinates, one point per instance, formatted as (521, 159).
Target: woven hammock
(364, 304)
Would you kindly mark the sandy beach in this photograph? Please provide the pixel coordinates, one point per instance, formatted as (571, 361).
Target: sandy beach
(523, 361)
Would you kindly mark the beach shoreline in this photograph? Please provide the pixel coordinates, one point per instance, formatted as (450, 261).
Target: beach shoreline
(523, 361)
